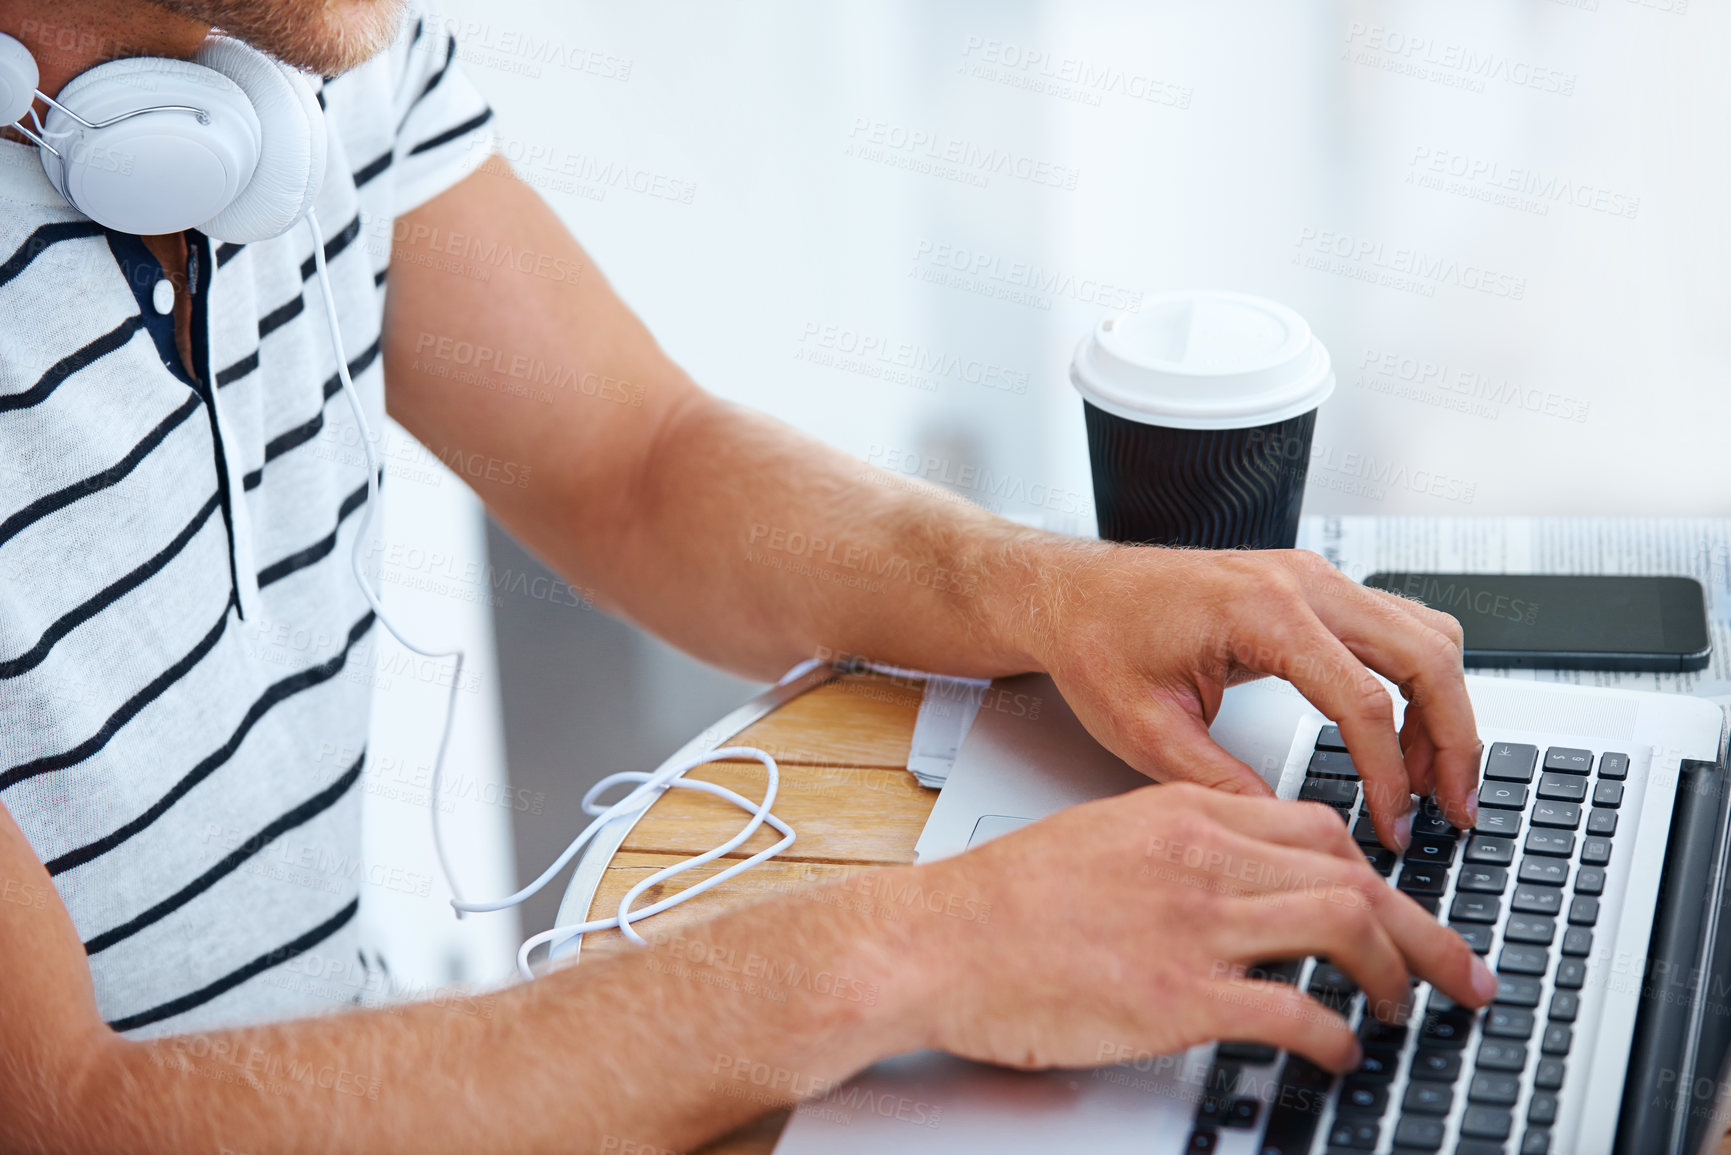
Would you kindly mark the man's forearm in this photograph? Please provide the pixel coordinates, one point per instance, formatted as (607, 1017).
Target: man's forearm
(647, 1050)
(758, 546)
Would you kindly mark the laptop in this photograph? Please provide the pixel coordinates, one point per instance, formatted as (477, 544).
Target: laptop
(1594, 886)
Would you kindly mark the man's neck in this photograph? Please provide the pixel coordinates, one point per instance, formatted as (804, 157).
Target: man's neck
(68, 37)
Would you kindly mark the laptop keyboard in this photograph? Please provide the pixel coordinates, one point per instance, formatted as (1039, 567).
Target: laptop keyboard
(1524, 890)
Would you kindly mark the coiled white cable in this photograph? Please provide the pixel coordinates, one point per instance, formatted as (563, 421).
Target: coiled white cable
(650, 786)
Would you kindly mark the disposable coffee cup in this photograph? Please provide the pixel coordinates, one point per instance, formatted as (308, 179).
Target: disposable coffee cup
(1200, 408)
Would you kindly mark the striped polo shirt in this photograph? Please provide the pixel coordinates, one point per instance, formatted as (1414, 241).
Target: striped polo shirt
(185, 657)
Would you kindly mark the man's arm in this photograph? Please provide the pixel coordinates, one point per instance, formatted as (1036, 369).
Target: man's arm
(753, 547)
(1114, 930)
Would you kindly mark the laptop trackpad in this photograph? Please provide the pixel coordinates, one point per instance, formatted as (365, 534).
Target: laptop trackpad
(991, 825)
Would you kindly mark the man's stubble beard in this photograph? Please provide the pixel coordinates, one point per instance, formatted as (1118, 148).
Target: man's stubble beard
(328, 37)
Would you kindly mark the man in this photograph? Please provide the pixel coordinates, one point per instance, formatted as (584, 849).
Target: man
(181, 645)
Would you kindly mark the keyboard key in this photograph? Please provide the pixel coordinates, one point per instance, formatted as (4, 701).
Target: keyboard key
(1475, 908)
(1557, 843)
(1568, 760)
(1530, 928)
(1242, 1113)
(1439, 851)
(1595, 851)
(1608, 794)
(1364, 833)
(1602, 822)
(1430, 902)
(1486, 1123)
(1331, 764)
(1334, 791)
(1557, 1039)
(1565, 1005)
(1436, 1066)
(1503, 795)
(1501, 823)
(1422, 878)
(1572, 974)
(1445, 1029)
(1252, 1054)
(1433, 826)
(1511, 762)
(1490, 851)
(1562, 815)
(1364, 1096)
(1517, 959)
(1508, 1023)
(1476, 1147)
(1578, 941)
(1614, 766)
(1493, 1089)
(1478, 936)
(1374, 1031)
(1482, 879)
(1562, 787)
(1549, 1075)
(1419, 1132)
(1428, 1099)
(1295, 1113)
(1354, 1132)
(1329, 739)
(1583, 911)
(1590, 880)
(1544, 871)
(1531, 899)
(1542, 1109)
(1201, 1143)
(1378, 1063)
(1517, 991)
(1537, 1141)
(1497, 1055)
(1381, 859)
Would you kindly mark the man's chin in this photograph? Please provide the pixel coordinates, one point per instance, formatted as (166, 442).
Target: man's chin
(328, 37)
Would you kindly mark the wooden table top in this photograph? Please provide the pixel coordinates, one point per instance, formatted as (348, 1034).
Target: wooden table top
(845, 789)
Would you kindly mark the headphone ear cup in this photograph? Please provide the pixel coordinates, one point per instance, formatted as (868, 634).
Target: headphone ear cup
(291, 163)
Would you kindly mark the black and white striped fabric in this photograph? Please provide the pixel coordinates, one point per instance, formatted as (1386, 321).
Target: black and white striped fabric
(185, 657)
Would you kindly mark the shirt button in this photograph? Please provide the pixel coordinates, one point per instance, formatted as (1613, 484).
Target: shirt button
(162, 297)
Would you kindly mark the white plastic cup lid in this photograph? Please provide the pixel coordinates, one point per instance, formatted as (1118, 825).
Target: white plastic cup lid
(1203, 359)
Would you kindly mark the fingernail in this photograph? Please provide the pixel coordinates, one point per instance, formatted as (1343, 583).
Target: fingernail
(1403, 832)
(1484, 982)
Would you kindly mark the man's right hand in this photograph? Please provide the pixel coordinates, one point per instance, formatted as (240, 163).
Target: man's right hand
(1126, 925)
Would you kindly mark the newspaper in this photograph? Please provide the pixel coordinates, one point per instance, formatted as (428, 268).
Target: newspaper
(1697, 547)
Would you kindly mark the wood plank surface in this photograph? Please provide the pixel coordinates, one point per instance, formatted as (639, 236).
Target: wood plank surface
(842, 752)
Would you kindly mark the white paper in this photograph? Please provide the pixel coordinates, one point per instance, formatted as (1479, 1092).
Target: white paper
(947, 711)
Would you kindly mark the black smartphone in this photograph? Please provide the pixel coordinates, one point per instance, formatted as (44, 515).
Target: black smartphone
(1567, 621)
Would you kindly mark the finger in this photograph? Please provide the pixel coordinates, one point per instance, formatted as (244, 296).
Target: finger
(1241, 865)
(1293, 643)
(1300, 825)
(1420, 753)
(1389, 636)
(1268, 1012)
(1323, 914)
(1167, 743)
(1433, 951)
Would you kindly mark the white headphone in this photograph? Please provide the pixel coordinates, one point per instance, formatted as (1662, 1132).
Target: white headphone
(231, 142)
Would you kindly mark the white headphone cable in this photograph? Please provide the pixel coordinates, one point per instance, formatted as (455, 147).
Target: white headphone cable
(651, 786)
